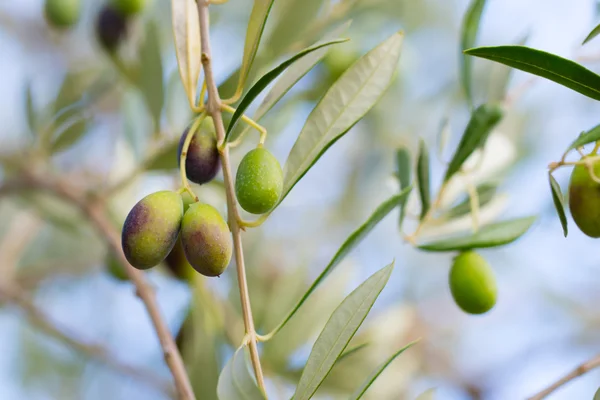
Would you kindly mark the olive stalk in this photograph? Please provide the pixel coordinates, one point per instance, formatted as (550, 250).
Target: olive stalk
(213, 108)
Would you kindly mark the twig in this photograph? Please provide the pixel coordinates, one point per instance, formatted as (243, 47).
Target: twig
(577, 372)
(213, 108)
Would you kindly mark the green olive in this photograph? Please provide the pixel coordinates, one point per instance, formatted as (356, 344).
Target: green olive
(259, 181)
(584, 200)
(472, 283)
(129, 7)
(62, 13)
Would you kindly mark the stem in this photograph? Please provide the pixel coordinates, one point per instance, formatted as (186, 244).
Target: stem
(577, 372)
(249, 121)
(214, 110)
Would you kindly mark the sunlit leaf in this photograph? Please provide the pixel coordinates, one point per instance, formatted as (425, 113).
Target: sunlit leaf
(587, 137)
(547, 65)
(485, 194)
(236, 381)
(492, 235)
(483, 119)
(186, 32)
(339, 330)
(266, 79)
(559, 203)
(346, 102)
(151, 73)
(403, 163)
(423, 178)
(367, 384)
(470, 28)
(592, 34)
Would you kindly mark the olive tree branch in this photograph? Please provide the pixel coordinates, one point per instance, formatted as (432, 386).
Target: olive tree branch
(577, 372)
(213, 107)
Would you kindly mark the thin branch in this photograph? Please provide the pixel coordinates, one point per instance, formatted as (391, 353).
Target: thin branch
(213, 108)
(577, 372)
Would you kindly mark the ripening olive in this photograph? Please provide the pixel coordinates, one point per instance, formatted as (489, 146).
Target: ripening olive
(206, 239)
(584, 200)
(259, 181)
(472, 283)
(62, 13)
(202, 161)
(111, 28)
(151, 229)
(177, 263)
(129, 7)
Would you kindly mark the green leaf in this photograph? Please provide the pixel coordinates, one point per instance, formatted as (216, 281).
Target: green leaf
(470, 28)
(403, 164)
(266, 79)
(351, 351)
(151, 73)
(592, 34)
(69, 133)
(344, 104)
(559, 203)
(483, 119)
(256, 26)
(499, 77)
(294, 18)
(547, 65)
(367, 384)
(339, 330)
(597, 395)
(493, 235)
(353, 240)
(236, 381)
(30, 110)
(164, 159)
(587, 137)
(485, 194)
(423, 178)
(186, 32)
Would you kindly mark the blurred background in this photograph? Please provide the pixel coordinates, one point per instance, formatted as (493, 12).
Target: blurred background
(70, 329)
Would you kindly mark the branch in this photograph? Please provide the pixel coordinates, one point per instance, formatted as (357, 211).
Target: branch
(213, 108)
(577, 372)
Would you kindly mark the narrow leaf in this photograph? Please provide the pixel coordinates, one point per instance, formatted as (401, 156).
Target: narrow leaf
(256, 26)
(186, 32)
(294, 17)
(367, 384)
(592, 34)
(266, 79)
(492, 235)
(69, 133)
(339, 330)
(151, 73)
(403, 163)
(30, 110)
(483, 119)
(423, 178)
(351, 351)
(485, 194)
(500, 75)
(559, 203)
(353, 240)
(470, 28)
(236, 381)
(547, 65)
(587, 137)
(344, 104)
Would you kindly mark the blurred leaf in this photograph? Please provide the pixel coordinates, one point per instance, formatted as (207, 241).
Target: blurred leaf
(597, 395)
(559, 203)
(485, 194)
(344, 104)
(590, 136)
(236, 381)
(353, 240)
(151, 73)
(352, 351)
(186, 32)
(483, 119)
(367, 384)
(403, 164)
(256, 26)
(429, 394)
(470, 28)
(69, 133)
(52, 210)
(423, 178)
(592, 34)
(339, 330)
(164, 159)
(547, 65)
(30, 110)
(500, 77)
(266, 79)
(493, 235)
(294, 17)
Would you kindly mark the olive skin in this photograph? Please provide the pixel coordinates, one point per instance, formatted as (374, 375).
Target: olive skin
(129, 7)
(202, 161)
(584, 200)
(472, 283)
(206, 240)
(111, 28)
(62, 13)
(151, 229)
(259, 181)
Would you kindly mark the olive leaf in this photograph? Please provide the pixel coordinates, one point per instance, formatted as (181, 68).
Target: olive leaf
(587, 137)
(349, 244)
(344, 104)
(485, 194)
(559, 202)
(470, 27)
(151, 73)
(294, 17)
(30, 112)
(483, 119)
(550, 66)
(423, 178)
(339, 330)
(592, 34)
(367, 384)
(186, 32)
(351, 351)
(69, 133)
(492, 235)
(499, 76)
(236, 381)
(403, 163)
(266, 79)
